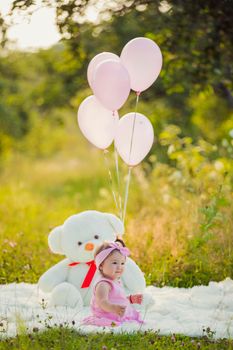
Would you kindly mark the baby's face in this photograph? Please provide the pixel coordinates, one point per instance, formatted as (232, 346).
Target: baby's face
(113, 266)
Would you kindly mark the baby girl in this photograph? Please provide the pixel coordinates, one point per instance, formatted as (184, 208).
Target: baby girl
(109, 304)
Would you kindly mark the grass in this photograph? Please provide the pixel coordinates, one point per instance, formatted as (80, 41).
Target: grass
(63, 338)
(186, 234)
(178, 227)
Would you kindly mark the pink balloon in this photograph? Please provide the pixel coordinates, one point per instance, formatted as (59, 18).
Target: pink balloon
(134, 138)
(143, 60)
(103, 56)
(111, 84)
(97, 123)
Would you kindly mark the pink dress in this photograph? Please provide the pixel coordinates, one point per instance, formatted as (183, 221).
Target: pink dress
(117, 295)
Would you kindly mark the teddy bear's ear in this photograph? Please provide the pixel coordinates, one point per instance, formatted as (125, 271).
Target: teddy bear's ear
(115, 223)
(54, 240)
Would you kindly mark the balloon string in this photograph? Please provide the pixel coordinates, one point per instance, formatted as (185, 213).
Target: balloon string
(130, 150)
(118, 183)
(134, 120)
(126, 193)
(110, 177)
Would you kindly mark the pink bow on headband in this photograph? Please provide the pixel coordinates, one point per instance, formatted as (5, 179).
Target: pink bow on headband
(104, 253)
(124, 251)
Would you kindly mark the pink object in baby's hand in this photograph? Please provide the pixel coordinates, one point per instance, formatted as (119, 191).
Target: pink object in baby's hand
(136, 299)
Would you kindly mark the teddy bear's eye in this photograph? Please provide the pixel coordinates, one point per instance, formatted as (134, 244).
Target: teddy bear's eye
(79, 243)
(96, 236)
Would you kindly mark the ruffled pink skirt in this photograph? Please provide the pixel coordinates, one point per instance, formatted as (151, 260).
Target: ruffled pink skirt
(112, 320)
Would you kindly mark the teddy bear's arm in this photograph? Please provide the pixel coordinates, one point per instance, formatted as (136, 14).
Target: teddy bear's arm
(133, 278)
(54, 276)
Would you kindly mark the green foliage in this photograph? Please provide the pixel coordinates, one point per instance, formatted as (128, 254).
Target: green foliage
(193, 90)
(209, 111)
(13, 111)
(34, 86)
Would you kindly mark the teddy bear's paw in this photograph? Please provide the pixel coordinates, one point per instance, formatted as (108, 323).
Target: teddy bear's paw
(65, 294)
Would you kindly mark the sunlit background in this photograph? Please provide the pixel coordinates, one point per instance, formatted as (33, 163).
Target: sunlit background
(38, 30)
(179, 213)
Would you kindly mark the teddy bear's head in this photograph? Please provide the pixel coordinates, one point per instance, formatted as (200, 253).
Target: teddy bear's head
(80, 234)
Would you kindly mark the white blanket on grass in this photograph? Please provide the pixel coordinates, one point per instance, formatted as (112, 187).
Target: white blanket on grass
(175, 310)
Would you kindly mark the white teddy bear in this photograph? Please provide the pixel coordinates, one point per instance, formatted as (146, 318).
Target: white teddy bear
(70, 281)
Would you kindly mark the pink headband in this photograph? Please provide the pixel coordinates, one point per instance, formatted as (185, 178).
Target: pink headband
(104, 253)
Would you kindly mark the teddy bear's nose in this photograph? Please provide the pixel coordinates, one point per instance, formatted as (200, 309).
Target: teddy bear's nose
(89, 246)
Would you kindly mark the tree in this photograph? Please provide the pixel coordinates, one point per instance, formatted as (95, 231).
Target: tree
(195, 39)
(195, 36)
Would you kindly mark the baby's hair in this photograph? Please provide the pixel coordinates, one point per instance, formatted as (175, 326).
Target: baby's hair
(120, 241)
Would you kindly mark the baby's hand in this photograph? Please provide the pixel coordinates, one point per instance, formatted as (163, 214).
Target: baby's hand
(136, 299)
(119, 310)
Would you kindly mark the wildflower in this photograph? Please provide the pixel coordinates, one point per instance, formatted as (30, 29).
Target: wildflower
(173, 338)
(218, 165)
(12, 244)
